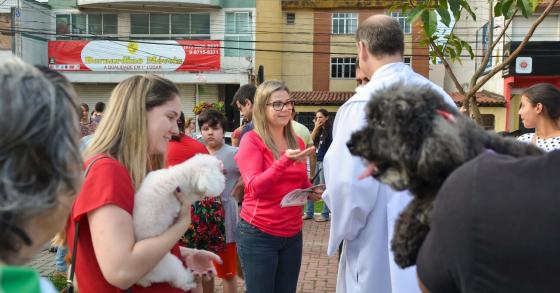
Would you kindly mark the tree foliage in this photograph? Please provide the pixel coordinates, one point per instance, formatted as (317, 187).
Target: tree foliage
(449, 47)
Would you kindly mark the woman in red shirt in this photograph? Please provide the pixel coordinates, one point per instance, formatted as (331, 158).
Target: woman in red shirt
(131, 141)
(271, 159)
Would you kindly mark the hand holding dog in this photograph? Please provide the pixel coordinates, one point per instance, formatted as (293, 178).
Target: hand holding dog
(299, 156)
(184, 216)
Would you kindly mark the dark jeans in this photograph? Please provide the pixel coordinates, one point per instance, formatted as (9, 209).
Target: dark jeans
(270, 264)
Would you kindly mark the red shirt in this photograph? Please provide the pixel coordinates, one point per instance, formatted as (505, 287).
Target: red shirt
(106, 183)
(266, 182)
(184, 149)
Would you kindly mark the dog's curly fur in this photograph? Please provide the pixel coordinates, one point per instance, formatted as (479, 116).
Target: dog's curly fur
(156, 207)
(415, 147)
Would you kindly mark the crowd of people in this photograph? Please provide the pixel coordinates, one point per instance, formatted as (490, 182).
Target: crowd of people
(52, 182)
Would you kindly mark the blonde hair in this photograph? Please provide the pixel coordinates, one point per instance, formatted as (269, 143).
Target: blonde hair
(260, 123)
(123, 131)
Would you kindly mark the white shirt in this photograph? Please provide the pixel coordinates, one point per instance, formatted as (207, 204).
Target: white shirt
(549, 144)
(363, 212)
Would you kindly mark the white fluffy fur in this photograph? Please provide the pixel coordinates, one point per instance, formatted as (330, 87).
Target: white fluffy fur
(156, 207)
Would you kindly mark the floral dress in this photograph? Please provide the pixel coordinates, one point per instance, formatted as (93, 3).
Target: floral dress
(207, 228)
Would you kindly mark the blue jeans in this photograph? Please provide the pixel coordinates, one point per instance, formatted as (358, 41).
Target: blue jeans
(59, 262)
(311, 204)
(270, 263)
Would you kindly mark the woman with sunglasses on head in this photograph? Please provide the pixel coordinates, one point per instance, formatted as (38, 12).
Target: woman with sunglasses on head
(271, 160)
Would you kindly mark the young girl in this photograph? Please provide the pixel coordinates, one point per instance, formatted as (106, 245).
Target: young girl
(130, 141)
(540, 109)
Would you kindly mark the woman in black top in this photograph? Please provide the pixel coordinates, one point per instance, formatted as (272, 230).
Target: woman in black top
(495, 228)
(322, 138)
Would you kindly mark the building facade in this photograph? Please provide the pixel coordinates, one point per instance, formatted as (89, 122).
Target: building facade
(205, 47)
(540, 55)
(314, 48)
(22, 30)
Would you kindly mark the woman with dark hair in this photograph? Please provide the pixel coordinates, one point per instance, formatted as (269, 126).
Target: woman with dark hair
(322, 138)
(540, 109)
(87, 126)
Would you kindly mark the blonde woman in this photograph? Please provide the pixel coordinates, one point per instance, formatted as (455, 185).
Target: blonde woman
(271, 160)
(540, 109)
(140, 119)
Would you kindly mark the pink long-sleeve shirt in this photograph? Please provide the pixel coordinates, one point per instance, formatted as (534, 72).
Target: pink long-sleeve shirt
(266, 181)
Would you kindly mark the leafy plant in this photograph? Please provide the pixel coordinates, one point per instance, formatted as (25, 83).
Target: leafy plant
(449, 47)
(202, 106)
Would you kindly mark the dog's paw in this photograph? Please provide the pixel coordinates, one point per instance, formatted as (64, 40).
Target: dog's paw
(185, 280)
(144, 283)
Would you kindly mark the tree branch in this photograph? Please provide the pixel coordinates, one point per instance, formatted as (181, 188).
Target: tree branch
(514, 54)
(501, 35)
(439, 54)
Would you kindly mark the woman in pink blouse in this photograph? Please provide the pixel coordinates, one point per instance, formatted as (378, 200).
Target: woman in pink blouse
(271, 159)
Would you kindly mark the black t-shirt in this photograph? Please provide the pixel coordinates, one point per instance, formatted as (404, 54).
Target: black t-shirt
(496, 228)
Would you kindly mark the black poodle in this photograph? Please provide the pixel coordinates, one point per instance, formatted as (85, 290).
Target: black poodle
(413, 140)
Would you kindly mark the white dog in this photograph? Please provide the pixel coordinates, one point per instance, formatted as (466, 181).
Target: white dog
(156, 207)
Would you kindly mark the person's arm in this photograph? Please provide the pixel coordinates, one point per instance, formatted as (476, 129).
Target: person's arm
(351, 200)
(312, 165)
(123, 260)
(315, 131)
(238, 190)
(249, 159)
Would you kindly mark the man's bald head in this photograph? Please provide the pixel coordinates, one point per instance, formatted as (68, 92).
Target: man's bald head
(382, 35)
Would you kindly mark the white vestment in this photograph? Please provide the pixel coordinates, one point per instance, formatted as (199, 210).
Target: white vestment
(364, 211)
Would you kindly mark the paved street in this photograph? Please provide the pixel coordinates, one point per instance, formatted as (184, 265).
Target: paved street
(318, 271)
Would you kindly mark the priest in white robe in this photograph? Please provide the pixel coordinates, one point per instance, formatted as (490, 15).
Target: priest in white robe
(363, 212)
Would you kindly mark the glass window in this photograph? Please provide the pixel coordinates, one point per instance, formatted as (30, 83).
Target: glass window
(95, 24)
(62, 24)
(343, 67)
(180, 24)
(139, 23)
(200, 24)
(290, 18)
(79, 23)
(401, 18)
(110, 24)
(238, 35)
(344, 23)
(407, 60)
(159, 24)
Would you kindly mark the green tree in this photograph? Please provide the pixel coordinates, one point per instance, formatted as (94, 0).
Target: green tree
(449, 47)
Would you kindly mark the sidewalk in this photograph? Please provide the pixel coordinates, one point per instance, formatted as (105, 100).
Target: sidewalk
(317, 274)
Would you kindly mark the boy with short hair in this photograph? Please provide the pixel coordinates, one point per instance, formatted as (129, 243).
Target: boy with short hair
(212, 127)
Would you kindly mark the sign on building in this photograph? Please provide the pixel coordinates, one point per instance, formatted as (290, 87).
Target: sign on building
(106, 55)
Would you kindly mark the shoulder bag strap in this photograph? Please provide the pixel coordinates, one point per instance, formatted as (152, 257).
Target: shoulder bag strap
(70, 280)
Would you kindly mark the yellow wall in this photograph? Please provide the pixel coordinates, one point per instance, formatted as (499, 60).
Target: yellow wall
(297, 68)
(513, 110)
(314, 108)
(269, 36)
(343, 46)
(499, 116)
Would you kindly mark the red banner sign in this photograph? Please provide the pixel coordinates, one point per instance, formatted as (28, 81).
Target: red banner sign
(180, 55)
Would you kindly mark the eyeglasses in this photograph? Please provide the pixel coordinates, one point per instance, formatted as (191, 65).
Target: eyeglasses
(279, 106)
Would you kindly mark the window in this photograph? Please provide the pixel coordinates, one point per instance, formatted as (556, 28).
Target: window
(401, 18)
(343, 67)
(344, 23)
(166, 26)
(85, 24)
(238, 35)
(407, 61)
(290, 18)
(488, 121)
